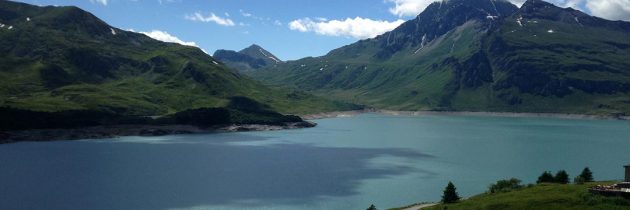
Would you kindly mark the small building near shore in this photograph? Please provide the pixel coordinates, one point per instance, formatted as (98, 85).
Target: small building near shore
(620, 189)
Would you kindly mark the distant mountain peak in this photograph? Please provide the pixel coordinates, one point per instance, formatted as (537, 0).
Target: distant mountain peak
(257, 51)
(251, 58)
(253, 46)
(438, 19)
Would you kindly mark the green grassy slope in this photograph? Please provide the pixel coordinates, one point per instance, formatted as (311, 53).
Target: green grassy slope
(63, 58)
(406, 81)
(558, 60)
(541, 197)
(561, 58)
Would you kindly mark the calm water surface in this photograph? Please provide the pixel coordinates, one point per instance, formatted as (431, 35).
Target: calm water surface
(344, 163)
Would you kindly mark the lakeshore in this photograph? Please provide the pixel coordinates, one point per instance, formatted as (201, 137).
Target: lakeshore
(462, 113)
(101, 132)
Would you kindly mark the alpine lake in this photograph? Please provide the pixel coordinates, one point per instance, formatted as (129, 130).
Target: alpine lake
(343, 163)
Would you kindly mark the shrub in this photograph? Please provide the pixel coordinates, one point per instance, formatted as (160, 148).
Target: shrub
(505, 185)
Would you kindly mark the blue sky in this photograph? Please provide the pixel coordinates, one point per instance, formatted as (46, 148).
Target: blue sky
(291, 29)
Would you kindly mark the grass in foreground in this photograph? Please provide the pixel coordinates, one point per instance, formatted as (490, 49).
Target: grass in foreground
(540, 197)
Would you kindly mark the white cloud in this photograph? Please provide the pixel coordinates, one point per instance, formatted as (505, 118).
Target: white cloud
(610, 9)
(166, 37)
(277, 23)
(211, 18)
(404, 8)
(245, 14)
(517, 2)
(358, 27)
(168, 1)
(103, 2)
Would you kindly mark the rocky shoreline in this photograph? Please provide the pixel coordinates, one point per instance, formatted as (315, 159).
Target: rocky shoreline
(507, 114)
(463, 113)
(100, 132)
(337, 114)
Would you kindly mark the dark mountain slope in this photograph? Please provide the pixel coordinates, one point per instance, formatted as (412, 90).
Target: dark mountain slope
(464, 55)
(249, 59)
(63, 58)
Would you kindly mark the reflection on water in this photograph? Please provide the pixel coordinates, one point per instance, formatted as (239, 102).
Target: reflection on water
(182, 171)
(344, 163)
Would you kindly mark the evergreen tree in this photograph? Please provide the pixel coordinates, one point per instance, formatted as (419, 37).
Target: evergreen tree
(579, 180)
(450, 194)
(587, 175)
(372, 207)
(561, 177)
(546, 177)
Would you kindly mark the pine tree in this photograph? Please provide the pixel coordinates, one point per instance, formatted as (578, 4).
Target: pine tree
(561, 177)
(450, 194)
(587, 175)
(546, 177)
(372, 207)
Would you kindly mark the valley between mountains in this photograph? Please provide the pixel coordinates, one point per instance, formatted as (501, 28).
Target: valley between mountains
(63, 67)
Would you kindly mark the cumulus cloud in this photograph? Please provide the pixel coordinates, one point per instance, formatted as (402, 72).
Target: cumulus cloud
(211, 18)
(404, 8)
(103, 2)
(610, 9)
(166, 37)
(360, 28)
(518, 3)
(245, 14)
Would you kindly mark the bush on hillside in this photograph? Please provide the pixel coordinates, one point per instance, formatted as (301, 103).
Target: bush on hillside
(505, 185)
(546, 177)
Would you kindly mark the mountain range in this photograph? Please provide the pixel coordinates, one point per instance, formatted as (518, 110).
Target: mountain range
(64, 58)
(251, 58)
(478, 55)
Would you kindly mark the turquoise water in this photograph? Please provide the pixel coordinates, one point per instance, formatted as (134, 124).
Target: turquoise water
(343, 163)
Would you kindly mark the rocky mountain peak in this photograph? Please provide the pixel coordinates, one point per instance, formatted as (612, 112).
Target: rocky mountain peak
(439, 18)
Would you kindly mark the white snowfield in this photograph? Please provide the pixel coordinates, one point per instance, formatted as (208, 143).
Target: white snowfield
(270, 57)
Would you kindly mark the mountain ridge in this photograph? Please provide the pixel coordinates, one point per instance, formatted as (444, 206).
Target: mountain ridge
(64, 58)
(537, 58)
(251, 58)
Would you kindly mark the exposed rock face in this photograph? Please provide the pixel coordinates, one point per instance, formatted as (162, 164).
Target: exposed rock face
(478, 55)
(251, 58)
